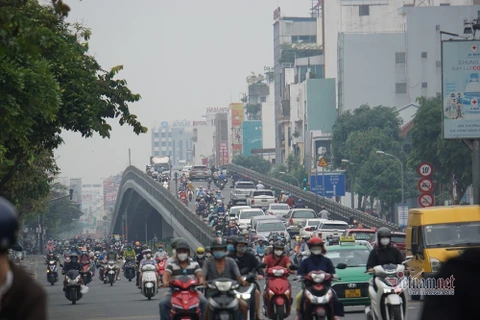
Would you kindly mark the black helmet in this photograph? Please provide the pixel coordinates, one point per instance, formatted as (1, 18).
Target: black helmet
(383, 233)
(279, 245)
(8, 224)
(208, 249)
(233, 239)
(241, 240)
(219, 243)
(182, 245)
(176, 241)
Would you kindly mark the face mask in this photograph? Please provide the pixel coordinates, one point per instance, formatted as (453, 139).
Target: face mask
(149, 256)
(160, 249)
(385, 241)
(278, 252)
(219, 254)
(182, 256)
(316, 252)
(200, 256)
(230, 247)
(242, 249)
(208, 255)
(174, 252)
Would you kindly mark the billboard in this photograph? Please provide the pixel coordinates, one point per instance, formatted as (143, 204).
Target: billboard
(237, 119)
(76, 185)
(461, 89)
(252, 136)
(111, 185)
(223, 156)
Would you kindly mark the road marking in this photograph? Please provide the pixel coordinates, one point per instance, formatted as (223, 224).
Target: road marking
(127, 318)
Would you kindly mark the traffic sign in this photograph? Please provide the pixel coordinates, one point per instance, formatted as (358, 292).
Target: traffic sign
(425, 200)
(425, 169)
(322, 162)
(334, 184)
(425, 185)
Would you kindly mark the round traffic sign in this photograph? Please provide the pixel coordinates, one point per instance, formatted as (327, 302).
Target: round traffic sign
(425, 169)
(425, 200)
(425, 185)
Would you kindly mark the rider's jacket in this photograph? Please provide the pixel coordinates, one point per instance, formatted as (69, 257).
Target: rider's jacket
(84, 259)
(386, 255)
(190, 270)
(148, 261)
(260, 249)
(71, 266)
(248, 261)
(129, 254)
(271, 261)
(199, 261)
(315, 263)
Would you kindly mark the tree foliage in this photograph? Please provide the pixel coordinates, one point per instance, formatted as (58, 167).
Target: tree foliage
(451, 159)
(255, 163)
(50, 84)
(293, 168)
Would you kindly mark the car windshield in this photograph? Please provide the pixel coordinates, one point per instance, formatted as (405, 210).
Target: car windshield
(263, 193)
(234, 211)
(452, 234)
(355, 257)
(364, 235)
(279, 207)
(335, 226)
(250, 214)
(269, 227)
(304, 214)
(244, 186)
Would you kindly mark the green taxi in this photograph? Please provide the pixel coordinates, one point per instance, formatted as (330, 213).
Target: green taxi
(352, 287)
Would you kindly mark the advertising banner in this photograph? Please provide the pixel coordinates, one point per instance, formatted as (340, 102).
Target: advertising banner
(237, 119)
(252, 136)
(461, 89)
(111, 186)
(223, 156)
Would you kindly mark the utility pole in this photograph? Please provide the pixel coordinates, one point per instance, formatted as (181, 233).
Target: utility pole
(129, 157)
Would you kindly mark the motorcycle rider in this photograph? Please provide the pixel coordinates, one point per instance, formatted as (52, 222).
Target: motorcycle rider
(112, 256)
(181, 266)
(246, 260)
(229, 269)
(160, 254)
(208, 252)
(218, 195)
(138, 248)
(385, 252)
(299, 204)
(72, 265)
(317, 261)
(278, 257)
(232, 229)
(200, 256)
(128, 254)
(51, 256)
(260, 247)
(147, 260)
(260, 185)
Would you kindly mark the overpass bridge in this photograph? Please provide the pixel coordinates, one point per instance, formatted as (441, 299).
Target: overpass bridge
(314, 201)
(145, 208)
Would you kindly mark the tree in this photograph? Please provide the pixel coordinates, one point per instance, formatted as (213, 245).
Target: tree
(255, 163)
(362, 119)
(451, 159)
(51, 84)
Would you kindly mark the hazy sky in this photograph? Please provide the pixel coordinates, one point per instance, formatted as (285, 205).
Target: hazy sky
(182, 56)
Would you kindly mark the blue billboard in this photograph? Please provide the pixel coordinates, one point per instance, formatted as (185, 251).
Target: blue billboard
(334, 184)
(252, 136)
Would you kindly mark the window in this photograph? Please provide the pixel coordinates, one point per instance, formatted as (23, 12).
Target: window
(163, 135)
(169, 134)
(157, 153)
(400, 57)
(169, 143)
(263, 99)
(155, 134)
(424, 85)
(156, 144)
(164, 144)
(400, 87)
(424, 54)
(363, 10)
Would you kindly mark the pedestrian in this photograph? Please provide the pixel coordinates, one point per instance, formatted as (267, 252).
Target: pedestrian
(324, 214)
(21, 297)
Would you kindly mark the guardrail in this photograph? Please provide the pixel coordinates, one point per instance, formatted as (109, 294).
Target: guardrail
(189, 220)
(314, 201)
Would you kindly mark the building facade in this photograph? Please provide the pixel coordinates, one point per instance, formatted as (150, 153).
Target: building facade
(174, 140)
(221, 139)
(252, 136)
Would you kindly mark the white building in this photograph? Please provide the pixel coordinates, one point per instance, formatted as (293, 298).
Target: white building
(202, 137)
(393, 69)
(268, 119)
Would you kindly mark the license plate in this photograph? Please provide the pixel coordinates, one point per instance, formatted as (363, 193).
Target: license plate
(264, 200)
(352, 293)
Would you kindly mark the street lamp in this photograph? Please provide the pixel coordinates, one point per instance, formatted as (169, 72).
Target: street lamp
(352, 195)
(291, 175)
(401, 166)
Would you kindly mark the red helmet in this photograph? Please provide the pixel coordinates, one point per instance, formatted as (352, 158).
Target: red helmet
(316, 242)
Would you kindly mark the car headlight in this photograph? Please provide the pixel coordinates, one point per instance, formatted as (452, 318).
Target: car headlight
(435, 264)
(223, 286)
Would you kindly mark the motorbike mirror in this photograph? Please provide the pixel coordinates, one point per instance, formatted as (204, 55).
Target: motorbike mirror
(341, 265)
(293, 267)
(262, 265)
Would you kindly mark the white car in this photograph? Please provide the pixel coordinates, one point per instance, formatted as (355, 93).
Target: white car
(278, 209)
(244, 217)
(334, 228)
(233, 212)
(186, 170)
(311, 225)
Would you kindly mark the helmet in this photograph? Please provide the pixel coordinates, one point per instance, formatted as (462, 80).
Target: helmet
(8, 224)
(182, 245)
(137, 243)
(219, 243)
(383, 233)
(232, 239)
(176, 241)
(279, 245)
(315, 241)
(200, 250)
(299, 200)
(242, 240)
(208, 249)
(259, 182)
(146, 251)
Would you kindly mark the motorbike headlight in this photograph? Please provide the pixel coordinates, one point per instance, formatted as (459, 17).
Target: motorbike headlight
(278, 273)
(318, 278)
(243, 296)
(223, 286)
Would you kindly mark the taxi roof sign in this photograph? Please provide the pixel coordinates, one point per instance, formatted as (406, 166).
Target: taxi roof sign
(347, 239)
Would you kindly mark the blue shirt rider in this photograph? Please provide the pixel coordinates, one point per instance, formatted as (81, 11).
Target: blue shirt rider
(260, 248)
(218, 196)
(221, 176)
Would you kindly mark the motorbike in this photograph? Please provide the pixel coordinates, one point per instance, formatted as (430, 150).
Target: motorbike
(277, 297)
(149, 281)
(248, 293)
(101, 270)
(260, 256)
(161, 264)
(190, 195)
(86, 273)
(318, 304)
(221, 184)
(52, 272)
(73, 290)
(223, 303)
(129, 269)
(386, 292)
(185, 301)
(111, 273)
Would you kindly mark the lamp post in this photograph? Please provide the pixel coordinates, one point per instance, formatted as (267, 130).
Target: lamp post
(352, 195)
(401, 166)
(291, 175)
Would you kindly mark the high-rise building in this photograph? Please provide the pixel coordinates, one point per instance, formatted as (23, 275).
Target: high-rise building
(221, 139)
(174, 140)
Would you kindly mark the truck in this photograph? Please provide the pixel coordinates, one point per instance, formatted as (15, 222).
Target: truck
(161, 164)
(260, 198)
